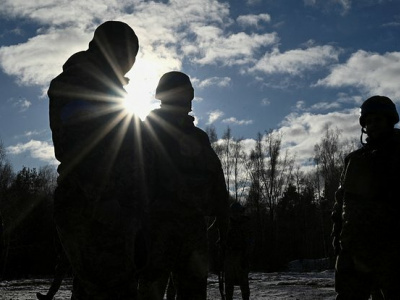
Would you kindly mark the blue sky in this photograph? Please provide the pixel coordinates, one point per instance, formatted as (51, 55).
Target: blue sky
(294, 66)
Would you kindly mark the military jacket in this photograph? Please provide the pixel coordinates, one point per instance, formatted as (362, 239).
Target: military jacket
(366, 211)
(94, 139)
(189, 180)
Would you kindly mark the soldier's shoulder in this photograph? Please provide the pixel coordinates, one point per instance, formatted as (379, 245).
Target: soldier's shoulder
(200, 131)
(201, 134)
(152, 119)
(74, 73)
(396, 137)
(356, 153)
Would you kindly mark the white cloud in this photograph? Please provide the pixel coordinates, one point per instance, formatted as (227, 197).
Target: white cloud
(38, 60)
(43, 151)
(248, 145)
(319, 106)
(31, 133)
(253, 2)
(234, 49)
(233, 120)
(371, 72)
(333, 105)
(265, 102)
(217, 81)
(349, 99)
(300, 132)
(22, 104)
(63, 12)
(391, 24)
(253, 20)
(325, 106)
(300, 105)
(168, 33)
(198, 99)
(295, 62)
(214, 115)
(344, 4)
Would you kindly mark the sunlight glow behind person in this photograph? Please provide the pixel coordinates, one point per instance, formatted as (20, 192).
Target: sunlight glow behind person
(141, 88)
(139, 100)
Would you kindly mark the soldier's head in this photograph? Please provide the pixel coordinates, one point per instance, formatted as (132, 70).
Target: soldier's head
(117, 43)
(378, 116)
(175, 91)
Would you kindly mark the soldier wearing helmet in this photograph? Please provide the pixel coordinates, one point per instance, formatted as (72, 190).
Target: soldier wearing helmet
(188, 185)
(377, 117)
(366, 228)
(97, 202)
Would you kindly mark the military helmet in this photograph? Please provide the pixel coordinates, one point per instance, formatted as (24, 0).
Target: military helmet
(379, 105)
(174, 87)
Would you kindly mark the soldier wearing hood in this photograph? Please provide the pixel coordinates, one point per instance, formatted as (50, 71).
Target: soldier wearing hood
(97, 203)
(188, 185)
(366, 223)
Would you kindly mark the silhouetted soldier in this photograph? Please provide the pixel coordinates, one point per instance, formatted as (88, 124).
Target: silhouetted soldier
(189, 185)
(97, 203)
(366, 212)
(236, 263)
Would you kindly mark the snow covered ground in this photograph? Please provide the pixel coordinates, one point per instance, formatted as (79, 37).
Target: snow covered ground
(282, 286)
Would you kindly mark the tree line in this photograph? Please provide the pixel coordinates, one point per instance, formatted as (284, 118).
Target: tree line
(289, 208)
(27, 232)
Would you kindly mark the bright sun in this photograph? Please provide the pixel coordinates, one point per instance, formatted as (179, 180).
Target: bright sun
(144, 77)
(140, 99)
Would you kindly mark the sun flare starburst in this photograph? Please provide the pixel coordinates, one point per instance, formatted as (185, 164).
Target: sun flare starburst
(140, 96)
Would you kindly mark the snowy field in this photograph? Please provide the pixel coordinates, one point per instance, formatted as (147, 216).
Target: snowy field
(288, 285)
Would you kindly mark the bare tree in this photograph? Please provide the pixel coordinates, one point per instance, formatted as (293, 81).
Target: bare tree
(212, 135)
(240, 178)
(255, 168)
(6, 171)
(329, 159)
(278, 170)
(270, 173)
(226, 158)
(47, 177)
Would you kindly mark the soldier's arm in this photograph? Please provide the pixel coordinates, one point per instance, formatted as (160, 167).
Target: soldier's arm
(336, 215)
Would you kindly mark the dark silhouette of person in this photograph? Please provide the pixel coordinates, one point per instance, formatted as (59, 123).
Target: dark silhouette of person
(365, 214)
(98, 201)
(189, 184)
(236, 263)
